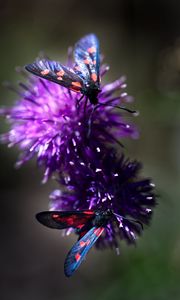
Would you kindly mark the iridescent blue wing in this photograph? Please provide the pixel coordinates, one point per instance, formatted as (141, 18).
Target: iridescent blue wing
(80, 249)
(65, 219)
(86, 55)
(56, 72)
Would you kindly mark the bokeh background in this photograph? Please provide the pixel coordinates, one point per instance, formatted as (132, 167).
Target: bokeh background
(142, 40)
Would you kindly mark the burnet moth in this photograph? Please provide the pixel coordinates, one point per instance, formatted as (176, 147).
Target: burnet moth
(89, 225)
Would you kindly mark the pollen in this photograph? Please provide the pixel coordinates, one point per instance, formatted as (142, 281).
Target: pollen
(91, 50)
(60, 73)
(45, 72)
(94, 77)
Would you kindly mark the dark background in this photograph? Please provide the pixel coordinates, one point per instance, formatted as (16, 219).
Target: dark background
(142, 40)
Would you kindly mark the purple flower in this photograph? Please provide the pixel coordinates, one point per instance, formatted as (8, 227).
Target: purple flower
(102, 181)
(75, 140)
(48, 122)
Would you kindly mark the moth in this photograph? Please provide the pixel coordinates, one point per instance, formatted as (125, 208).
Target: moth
(89, 225)
(83, 77)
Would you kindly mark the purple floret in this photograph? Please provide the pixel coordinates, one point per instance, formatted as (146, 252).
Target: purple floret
(47, 122)
(103, 181)
(76, 141)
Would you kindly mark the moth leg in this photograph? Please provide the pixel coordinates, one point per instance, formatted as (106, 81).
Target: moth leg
(85, 106)
(90, 121)
(78, 101)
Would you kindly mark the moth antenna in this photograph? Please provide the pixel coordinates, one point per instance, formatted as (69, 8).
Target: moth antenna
(131, 220)
(117, 106)
(70, 56)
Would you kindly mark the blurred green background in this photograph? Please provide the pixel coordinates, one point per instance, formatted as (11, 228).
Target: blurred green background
(142, 40)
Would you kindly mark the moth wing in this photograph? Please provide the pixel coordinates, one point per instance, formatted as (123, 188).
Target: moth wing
(65, 219)
(86, 55)
(56, 72)
(79, 251)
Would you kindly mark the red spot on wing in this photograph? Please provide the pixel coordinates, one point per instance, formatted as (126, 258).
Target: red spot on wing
(91, 50)
(70, 220)
(86, 61)
(60, 73)
(77, 256)
(55, 216)
(98, 231)
(67, 220)
(94, 77)
(82, 243)
(75, 89)
(89, 212)
(73, 220)
(45, 72)
(76, 84)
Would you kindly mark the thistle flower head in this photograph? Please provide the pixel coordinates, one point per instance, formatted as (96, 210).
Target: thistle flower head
(104, 182)
(74, 139)
(49, 122)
